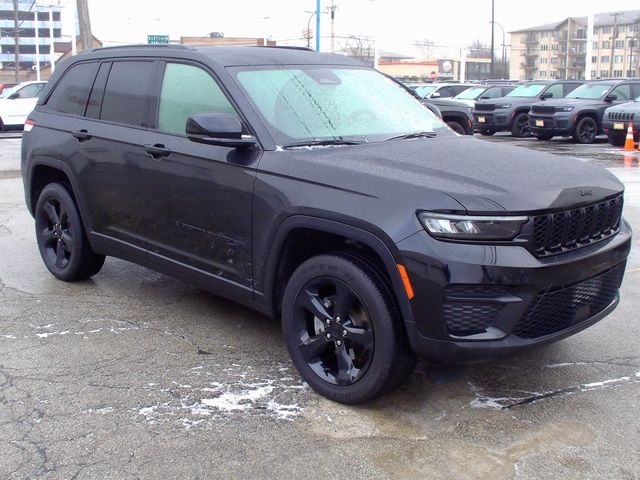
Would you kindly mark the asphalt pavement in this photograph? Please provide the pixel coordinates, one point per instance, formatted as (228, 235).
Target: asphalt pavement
(134, 374)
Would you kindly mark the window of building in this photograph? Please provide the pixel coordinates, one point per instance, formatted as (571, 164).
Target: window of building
(72, 92)
(604, 73)
(126, 96)
(631, 73)
(553, 74)
(594, 59)
(619, 44)
(554, 60)
(606, 44)
(187, 90)
(555, 46)
(542, 73)
(618, 59)
(617, 74)
(632, 59)
(605, 29)
(633, 42)
(544, 48)
(594, 73)
(581, 33)
(604, 59)
(595, 45)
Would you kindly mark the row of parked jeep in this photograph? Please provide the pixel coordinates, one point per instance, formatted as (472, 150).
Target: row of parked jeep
(546, 109)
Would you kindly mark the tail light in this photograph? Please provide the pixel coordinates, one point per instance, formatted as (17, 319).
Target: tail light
(28, 125)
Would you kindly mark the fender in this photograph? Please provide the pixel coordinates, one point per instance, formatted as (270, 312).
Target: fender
(379, 242)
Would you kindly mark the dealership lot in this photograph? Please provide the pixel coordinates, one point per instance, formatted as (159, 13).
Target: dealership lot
(135, 374)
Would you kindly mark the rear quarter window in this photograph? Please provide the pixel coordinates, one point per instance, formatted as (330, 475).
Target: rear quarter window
(71, 93)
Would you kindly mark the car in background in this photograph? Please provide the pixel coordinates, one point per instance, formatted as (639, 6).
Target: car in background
(483, 92)
(616, 120)
(5, 86)
(16, 103)
(511, 112)
(458, 115)
(440, 90)
(580, 114)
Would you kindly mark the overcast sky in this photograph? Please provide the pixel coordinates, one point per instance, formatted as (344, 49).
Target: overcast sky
(396, 24)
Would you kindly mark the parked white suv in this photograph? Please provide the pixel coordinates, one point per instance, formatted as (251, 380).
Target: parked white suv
(16, 103)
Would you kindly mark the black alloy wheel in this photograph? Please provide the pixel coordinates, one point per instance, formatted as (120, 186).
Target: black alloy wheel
(520, 127)
(586, 130)
(335, 334)
(62, 241)
(343, 329)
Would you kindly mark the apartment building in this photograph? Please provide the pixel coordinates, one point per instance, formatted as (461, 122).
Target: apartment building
(558, 50)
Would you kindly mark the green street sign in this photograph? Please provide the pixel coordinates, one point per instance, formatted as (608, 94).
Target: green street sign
(157, 39)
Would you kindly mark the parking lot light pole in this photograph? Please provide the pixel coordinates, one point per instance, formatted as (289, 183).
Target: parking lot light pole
(317, 25)
(51, 45)
(37, 45)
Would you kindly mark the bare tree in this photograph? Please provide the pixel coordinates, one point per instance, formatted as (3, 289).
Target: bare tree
(479, 50)
(361, 48)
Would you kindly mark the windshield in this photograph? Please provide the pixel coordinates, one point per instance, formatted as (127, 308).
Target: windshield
(471, 93)
(8, 91)
(531, 90)
(590, 90)
(311, 103)
(425, 90)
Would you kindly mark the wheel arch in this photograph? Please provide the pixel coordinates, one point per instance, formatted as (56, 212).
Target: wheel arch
(331, 235)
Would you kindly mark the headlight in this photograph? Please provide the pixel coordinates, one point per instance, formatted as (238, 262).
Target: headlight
(564, 109)
(503, 105)
(467, 227)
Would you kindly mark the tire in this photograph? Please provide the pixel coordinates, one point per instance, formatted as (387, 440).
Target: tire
(520, 127)
(585, 130)
(3, 128)
(329, 295)
(487, 133)
(456, 127)
(544, 137)
(61, 237)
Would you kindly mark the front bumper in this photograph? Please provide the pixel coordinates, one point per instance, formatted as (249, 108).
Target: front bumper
(480, 302)
(551, 125)
(496, 120)
(613, 130)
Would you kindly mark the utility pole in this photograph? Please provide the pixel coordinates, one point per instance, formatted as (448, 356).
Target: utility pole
(16, 38)
(37, 44)
(613, 41)
(52, 60)
(317, 25)
(86, 37)
(493, 26)
(332, 9)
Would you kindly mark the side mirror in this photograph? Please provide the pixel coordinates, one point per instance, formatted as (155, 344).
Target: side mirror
(546, 95)
(611, 97)
(435, 95)
(484, 98)
(223, 129)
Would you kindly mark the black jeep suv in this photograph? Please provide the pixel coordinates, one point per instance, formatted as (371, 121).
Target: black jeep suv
(580, 114)
(616, 120)
(315, 189)
(456, 114)
(511, 113)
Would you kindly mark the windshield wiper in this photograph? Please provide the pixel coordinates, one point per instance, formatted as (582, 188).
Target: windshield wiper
(413, 135)
(328, 141)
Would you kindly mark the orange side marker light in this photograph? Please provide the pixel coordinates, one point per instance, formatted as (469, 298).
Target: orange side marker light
(405, 280)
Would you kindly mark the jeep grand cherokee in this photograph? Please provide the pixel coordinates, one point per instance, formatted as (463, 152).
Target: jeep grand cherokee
(315, 189)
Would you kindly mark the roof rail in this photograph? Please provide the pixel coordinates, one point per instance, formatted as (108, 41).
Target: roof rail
(143, 45)
(289, 47)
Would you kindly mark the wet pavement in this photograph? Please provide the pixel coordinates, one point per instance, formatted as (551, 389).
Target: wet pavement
(133, 374)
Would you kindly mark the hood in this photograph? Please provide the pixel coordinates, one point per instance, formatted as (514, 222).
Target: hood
(427, 173)
(568, 102)
(467, 102)
(448, 102)
(629, 107)
(511, 100)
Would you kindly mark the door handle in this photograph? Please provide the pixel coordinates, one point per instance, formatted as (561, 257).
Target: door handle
(157, 151)
(81, 135)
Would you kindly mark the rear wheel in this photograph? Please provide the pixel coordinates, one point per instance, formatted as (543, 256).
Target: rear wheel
(520, 126)
(343, 330)
(456, 127)
(61, 238)
(586, 130)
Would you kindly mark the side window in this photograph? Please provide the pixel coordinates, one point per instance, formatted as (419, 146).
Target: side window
(623, 92)
(493, 93)
(556, 90)
(187, 90)
(30, 91)
(72, 92)
(569, 87)
(97, 92)
(445, 92)
(127, 96)
(635, 90)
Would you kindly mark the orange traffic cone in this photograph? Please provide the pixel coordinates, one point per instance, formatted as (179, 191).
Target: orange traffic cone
(628, 144)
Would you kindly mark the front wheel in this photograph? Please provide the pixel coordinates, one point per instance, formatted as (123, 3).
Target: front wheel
(61, 238)
(586, 130)
(520, 128)
(456, 127)
(343, 331)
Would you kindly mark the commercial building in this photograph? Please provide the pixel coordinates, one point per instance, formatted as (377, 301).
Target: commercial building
(558, 50)
(27, 25)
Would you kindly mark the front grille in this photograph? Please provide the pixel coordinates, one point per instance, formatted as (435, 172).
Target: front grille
(469, 318)
(544, 109)
(485, 107)
(563, 231)
(555, 311)
(621, 116)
